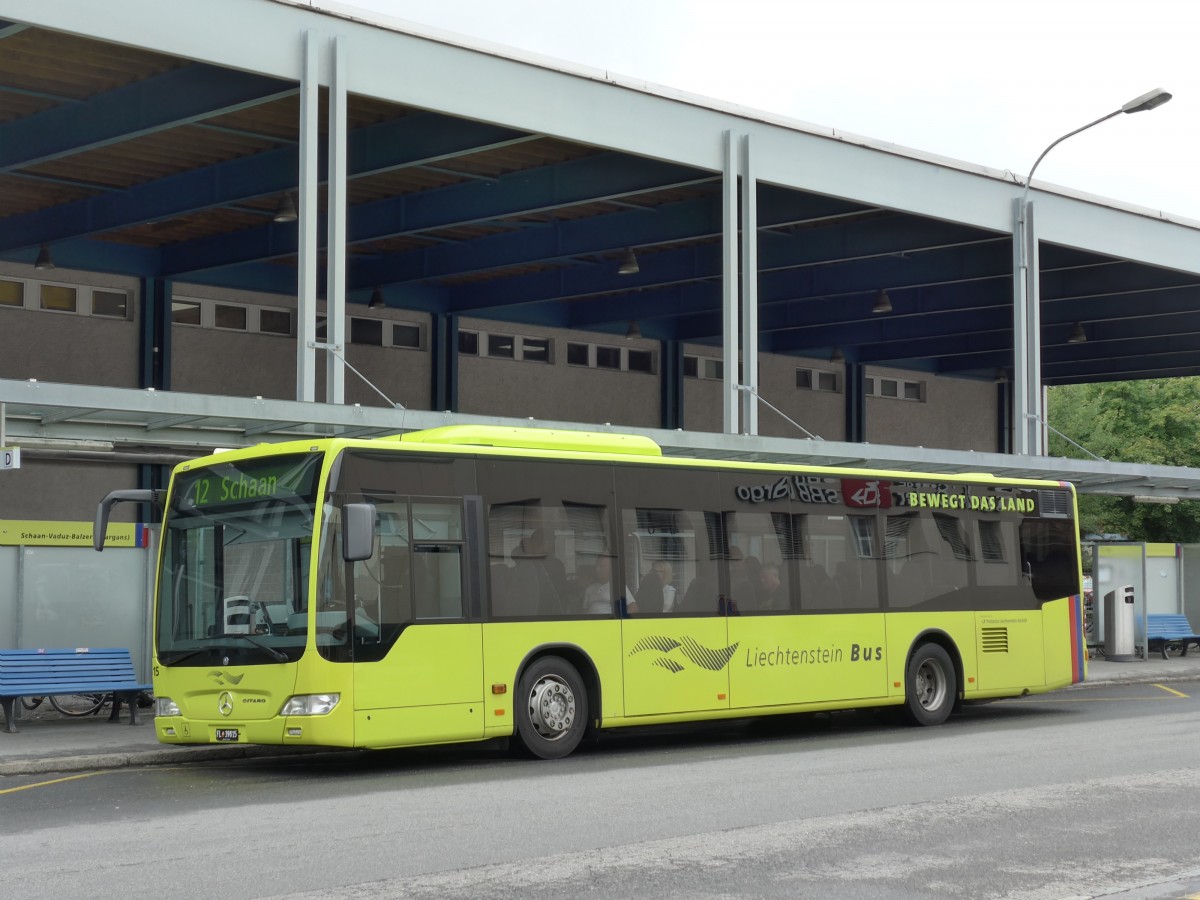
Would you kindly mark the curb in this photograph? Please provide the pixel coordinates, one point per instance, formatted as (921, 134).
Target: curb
(121, 759)
(1137, 679)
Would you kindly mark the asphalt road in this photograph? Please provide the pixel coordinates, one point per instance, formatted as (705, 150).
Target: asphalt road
(1077, 794)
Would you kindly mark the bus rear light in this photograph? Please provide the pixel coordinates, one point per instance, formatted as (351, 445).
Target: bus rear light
(310, 704)
(165, 706)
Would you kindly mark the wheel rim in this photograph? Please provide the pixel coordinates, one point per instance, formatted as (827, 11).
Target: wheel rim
(552, 707)
(930, 685)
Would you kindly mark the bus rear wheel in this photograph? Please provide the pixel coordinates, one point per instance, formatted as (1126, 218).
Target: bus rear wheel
(551, 708)
(930, 685)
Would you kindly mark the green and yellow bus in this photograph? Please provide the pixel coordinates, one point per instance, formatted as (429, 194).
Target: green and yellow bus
(469, 582)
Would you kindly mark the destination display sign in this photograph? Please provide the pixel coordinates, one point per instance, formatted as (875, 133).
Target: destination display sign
(241, 482)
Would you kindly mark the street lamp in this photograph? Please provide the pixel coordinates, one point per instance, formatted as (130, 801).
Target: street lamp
(1027, 368)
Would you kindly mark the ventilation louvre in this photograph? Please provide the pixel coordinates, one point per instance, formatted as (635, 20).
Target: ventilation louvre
(993, 640)
(1054, 504)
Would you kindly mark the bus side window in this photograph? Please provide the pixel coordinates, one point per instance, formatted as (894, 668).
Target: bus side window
(438, 581)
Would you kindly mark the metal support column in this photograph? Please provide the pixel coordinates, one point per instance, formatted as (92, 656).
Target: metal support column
(729, 282)
(306, 292)
(1027, 336)
(856, 401)
(671, 380)
(749, 256)
(443, 344)
(335, 244)
(154, 365)
(1004, 421)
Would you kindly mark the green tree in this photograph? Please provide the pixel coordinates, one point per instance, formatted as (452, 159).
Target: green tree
(1155, 422)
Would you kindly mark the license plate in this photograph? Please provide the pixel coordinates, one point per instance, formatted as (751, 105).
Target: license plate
(227, 734)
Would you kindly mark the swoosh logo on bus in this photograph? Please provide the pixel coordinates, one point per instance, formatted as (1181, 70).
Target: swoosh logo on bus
(713, 659)
(225, 677)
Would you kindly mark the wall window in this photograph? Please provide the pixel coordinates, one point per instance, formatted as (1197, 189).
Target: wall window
(709, 368)
(578, 355)
(503, 346)
(816, 380)
(604, 356)
(382, 333)
(535, 349)
(230, 317)
(608, 357)
(58, 297)
(275, 321)
(111, 304)
(640, 361)
(366, 331)
(894, 388)
(185, 312)
(248, 317)
(81, 300)
(405, 334)
(12, 293)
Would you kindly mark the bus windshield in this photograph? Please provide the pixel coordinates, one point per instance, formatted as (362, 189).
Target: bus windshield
(237, 545)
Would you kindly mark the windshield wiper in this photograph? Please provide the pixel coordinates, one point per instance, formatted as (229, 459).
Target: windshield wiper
(276, 655)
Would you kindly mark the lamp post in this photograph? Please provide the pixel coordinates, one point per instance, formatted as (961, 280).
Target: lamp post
(1027, 353)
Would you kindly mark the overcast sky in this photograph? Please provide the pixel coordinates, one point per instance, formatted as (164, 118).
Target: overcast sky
(987, 83)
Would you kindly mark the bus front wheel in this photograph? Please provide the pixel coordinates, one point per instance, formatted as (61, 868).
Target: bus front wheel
(551, 708)
(930, 685)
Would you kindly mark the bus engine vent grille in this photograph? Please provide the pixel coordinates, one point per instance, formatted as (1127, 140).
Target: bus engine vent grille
(1054, 504)
(994, 640)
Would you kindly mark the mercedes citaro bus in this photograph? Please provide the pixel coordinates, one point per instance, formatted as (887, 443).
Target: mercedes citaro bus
(469, 582)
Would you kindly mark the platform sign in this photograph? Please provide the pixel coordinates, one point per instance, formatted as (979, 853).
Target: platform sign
(10, 457)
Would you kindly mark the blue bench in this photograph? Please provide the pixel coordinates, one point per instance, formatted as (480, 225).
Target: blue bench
(1163, 629)
(84, 670)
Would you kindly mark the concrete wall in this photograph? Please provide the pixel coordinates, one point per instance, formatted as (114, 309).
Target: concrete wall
(64, 347)
(556, 390)
(819, 412)
(952, 413)
(955, 414)
(244, 364)
(60, 490)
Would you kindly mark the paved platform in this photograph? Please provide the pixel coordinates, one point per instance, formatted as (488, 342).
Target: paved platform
(48, 742)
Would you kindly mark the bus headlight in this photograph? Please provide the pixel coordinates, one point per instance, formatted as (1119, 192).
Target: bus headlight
(165, 706)
(310, 704)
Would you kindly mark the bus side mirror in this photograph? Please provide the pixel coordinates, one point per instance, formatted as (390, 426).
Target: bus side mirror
(358, 531)
(104, 509)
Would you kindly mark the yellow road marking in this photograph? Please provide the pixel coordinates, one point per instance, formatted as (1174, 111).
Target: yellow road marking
(26, 787)
(1090, 700)
(1171, 690)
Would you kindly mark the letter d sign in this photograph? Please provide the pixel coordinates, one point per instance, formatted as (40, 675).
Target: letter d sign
(10, 458)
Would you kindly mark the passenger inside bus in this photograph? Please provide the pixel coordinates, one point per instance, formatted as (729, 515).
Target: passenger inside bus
(597, 595)
(771, 592)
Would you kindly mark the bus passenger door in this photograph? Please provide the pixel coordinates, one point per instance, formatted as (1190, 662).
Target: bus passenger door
(418, 673)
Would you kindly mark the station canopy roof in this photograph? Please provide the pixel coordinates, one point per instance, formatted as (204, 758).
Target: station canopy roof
(161, 150)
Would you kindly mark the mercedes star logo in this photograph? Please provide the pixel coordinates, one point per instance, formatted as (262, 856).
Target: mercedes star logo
(225, 703)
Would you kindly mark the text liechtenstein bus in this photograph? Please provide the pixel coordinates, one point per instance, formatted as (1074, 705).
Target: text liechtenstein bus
(468, 583)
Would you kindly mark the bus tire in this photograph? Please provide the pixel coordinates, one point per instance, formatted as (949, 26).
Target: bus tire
(551, 708)
(930, 685)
